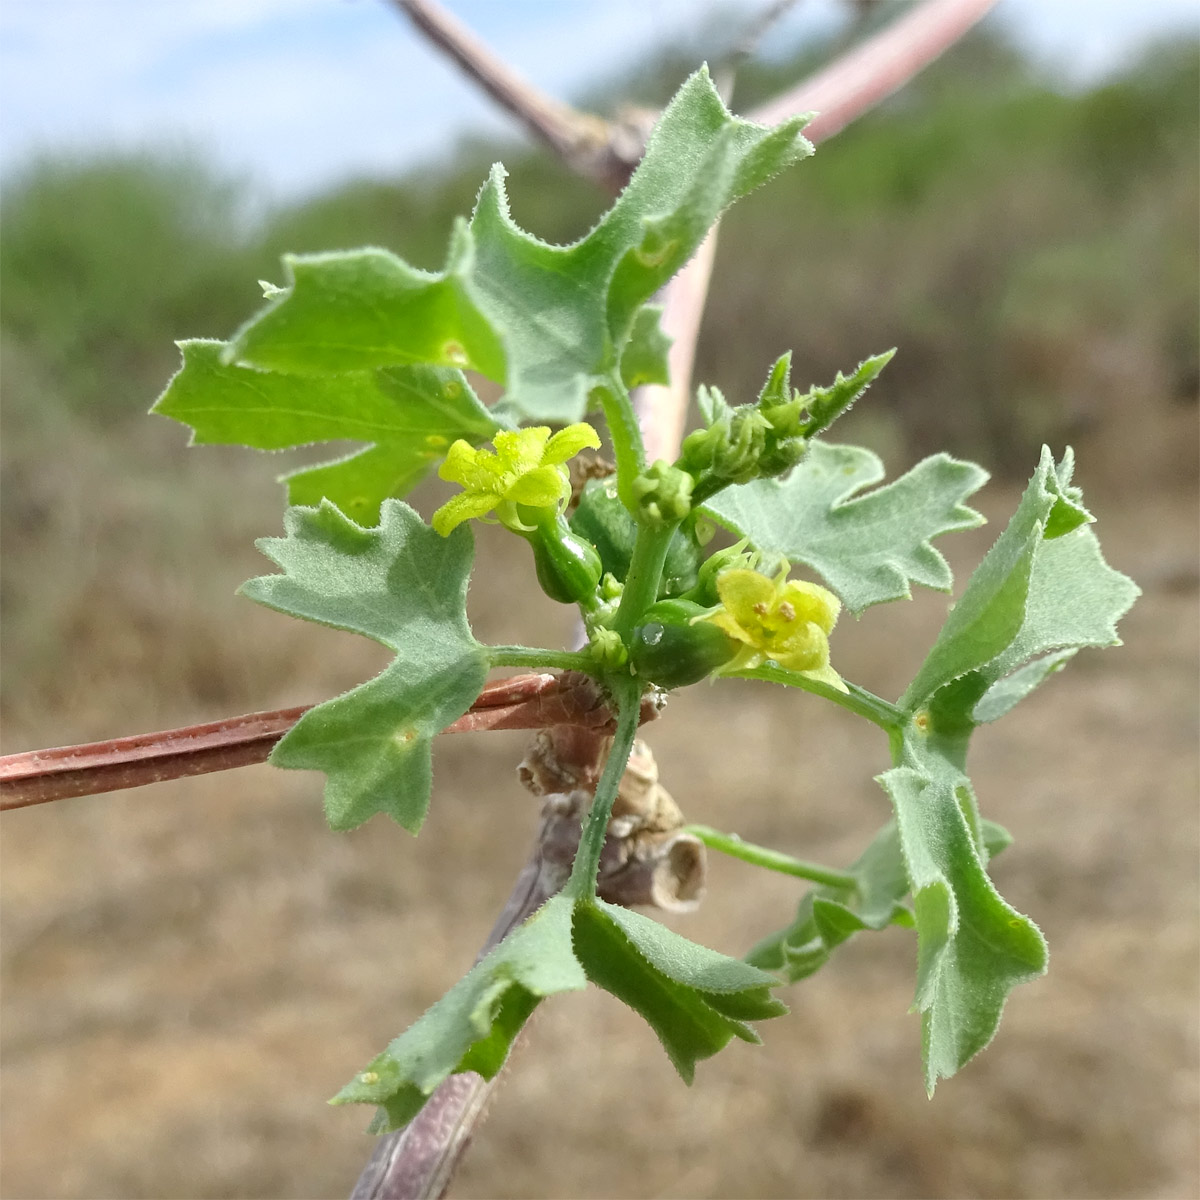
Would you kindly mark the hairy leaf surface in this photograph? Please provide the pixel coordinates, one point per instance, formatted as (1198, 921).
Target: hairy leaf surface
(1043, 586)
(472, 1027)
(694, 998)
(404, 586)
(548, 321)
(1042, 592)
(869, 547)
(973, 947)
(409, 415)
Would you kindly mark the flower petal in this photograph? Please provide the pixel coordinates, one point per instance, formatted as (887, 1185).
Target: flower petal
(740, 590)
(813, 603)
(542, 487)
(462, 508)
(568, 442)
(806, 648)
(725, 621)
(521, 450)
(461, 464)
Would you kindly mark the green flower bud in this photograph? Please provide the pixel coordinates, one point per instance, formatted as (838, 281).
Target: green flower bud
(663, 493)
(604, 521)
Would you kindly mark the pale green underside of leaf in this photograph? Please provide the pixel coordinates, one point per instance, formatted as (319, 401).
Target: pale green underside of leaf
(1042, 592)
(828, 916)
(695, 1000)
(1043, 586)
(405, 586)
(409, 415)
(868, 547)
(547, 321)
(473, 1025)
(973, 947)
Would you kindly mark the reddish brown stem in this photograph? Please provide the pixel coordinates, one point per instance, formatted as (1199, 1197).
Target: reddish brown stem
(589, 145)
(857, 81)
(40, 776)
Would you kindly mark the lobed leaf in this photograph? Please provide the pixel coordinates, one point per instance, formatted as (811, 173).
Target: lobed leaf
(472, 1027)
(973, 947)
(548, 321)
(407, 414)
(1043, 586)
(869, 548)
(694, 999)
(404, 586)
(1042, 592)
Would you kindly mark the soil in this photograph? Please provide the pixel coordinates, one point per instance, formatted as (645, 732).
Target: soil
(193, 968)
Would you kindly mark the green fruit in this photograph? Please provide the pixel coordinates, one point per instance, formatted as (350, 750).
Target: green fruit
(672, 652)
(568, 567)
(604, 521)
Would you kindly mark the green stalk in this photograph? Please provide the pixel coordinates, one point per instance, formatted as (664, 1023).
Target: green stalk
(627, 697)
(531, 656)
(858, 700)
(773, 860)
(623, 428)
(644, 576)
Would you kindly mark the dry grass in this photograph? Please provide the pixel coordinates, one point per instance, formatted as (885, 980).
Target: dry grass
(191, 969)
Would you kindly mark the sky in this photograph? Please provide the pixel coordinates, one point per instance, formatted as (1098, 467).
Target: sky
(295, 95)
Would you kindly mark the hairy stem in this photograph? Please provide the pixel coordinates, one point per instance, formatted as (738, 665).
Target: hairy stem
(644, 575)
(773, 860)
(626, 434)
(532, 656)
(627, 700)
(857, 700)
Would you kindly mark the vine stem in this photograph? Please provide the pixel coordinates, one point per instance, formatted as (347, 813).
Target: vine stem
(773, 860)
(40, 776)
(400, 1165)
(529, 656)
(856, 699)
(582, 883)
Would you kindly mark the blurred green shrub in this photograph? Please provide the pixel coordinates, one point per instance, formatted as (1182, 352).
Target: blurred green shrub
(108, 259)
(1033, 252)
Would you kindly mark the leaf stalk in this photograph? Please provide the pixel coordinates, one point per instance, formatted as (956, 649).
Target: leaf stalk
(772, 860)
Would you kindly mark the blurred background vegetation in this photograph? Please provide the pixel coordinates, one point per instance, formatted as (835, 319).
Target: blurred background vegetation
(1031, 249)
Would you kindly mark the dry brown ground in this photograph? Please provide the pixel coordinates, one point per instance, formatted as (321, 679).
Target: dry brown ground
(190, 970)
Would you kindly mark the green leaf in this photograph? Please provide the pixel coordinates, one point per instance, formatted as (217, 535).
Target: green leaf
(358, 309)
(1043, 586)
(404, 586)
(472, 1027)
(973, 947)
(1042, 592)
(828, 916)
(409, 415)
(825, 405)
(1005, 694)
(551, 322)
(694, 998)
(869, 548)
(644, 359)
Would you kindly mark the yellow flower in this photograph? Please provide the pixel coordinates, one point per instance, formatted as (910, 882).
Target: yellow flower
(786, 621)
(527, 469)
